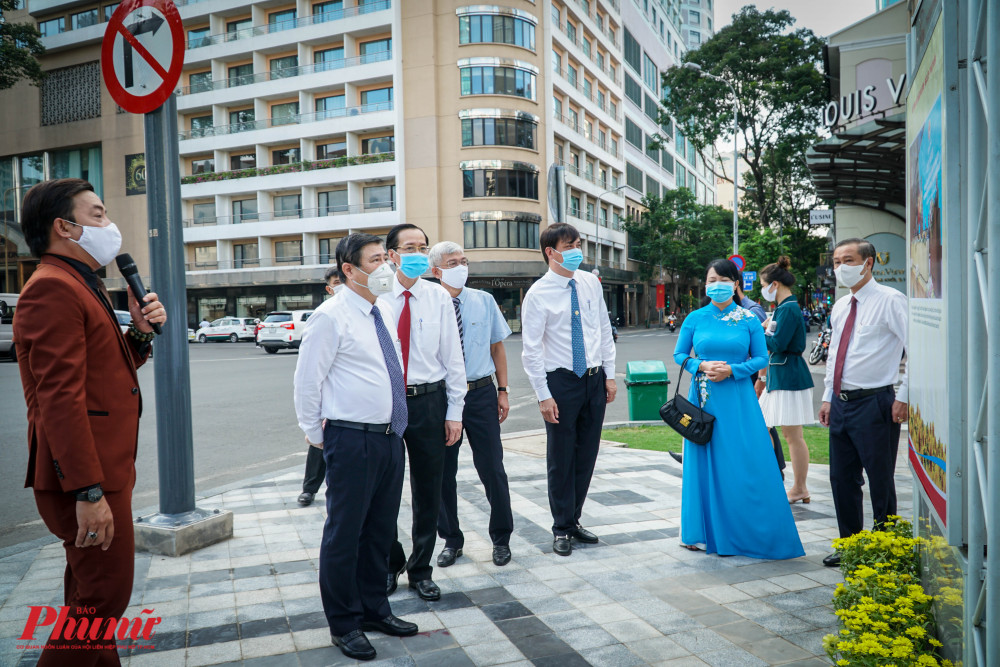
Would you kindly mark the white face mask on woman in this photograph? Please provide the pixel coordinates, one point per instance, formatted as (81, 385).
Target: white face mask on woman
(770, 292)
(101, 243)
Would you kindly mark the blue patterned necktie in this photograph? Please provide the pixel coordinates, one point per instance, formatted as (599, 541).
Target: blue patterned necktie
(400, 417)
(579, 351)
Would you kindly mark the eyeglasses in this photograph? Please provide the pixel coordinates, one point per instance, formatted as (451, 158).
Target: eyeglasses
(410, 249)
(456, 262)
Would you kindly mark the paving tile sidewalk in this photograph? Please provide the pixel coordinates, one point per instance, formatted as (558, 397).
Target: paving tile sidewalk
(636, 598)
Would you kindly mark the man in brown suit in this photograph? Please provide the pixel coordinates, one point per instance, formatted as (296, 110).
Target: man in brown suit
(82, 392)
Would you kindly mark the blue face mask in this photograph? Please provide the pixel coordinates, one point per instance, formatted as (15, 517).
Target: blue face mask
(572, 259)
(414, 264)
(720, 292)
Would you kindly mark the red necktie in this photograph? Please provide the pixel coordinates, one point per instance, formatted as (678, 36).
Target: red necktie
(845, 339)
(404, 332)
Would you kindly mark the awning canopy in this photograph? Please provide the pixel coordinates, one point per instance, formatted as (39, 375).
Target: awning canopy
(864, 165)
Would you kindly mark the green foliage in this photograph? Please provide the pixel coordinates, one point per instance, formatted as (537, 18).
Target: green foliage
(20, 48)
(779, 89)
(762, 247)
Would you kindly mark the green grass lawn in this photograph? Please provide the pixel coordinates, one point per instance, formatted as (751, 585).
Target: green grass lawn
(665, 439)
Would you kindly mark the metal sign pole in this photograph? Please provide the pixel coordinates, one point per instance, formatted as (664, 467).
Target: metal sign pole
(175, 447)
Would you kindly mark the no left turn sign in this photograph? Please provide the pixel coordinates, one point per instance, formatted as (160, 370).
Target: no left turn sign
(143, 53)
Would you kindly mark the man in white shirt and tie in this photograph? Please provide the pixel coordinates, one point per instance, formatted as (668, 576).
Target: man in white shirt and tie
(860, 405)
(434, 372)
(350, 400)
(569, 358)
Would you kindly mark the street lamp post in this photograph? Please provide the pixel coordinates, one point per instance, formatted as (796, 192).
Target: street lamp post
(736, 158)
(6, 240)
(597, 226)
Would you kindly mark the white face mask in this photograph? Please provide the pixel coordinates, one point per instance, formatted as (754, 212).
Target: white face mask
(379, 280)
(101, 243)
(337, 289)
(849, 275)
(456, 276)
(769, 292)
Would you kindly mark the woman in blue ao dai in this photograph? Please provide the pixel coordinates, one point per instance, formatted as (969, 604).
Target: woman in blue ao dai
(732, 500)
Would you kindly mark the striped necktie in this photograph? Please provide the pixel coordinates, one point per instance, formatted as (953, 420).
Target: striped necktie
(400, 416)
(458, 316)
(576, 326)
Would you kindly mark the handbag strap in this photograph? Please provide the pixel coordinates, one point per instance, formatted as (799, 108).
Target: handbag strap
(677, 389)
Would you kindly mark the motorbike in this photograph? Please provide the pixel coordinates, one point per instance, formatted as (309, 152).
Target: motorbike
(821, 347)
(672, 323)
(614, 328)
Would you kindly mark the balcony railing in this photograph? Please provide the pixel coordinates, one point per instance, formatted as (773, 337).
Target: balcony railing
(577, 40)
(367, 8)
(578, 84)
(605, 31)
(576, 127)
(293, 119)
(288, 72)
(258, 263)
(296, 214)
(305, 165)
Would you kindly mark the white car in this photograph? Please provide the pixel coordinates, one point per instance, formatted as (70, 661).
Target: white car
(124, 319)
(282, 329)
(233, 329)
(8, 303)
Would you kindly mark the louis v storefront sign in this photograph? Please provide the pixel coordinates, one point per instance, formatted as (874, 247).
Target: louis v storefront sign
(862, 102)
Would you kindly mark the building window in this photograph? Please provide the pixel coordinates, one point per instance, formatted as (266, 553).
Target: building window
(239, 29)
(84, 19)
(203, 166)
(286, 156)
(201, 126)
(692, 154)
(328, 11)
(557, 107)
(571, 75)
(680, 144)
(476, 29)
(200, 82)
(500, 183)
(243, 161)
(288, 252)
(240, 75)
(571, 31)
(652, 187)
(498, 132)
(242, 120)
(633, 176)
(287, 206)
(650, 76)
(380, 197)
(555, 15)
(667, 161)
(52, 26)
(614, 147)
(71, 93)
(109, 10)
(633, 134)
(498, 81)
(377, 145)
(198, 37)
(694, 17)
(206, 257)
(652, 152)
(588, 89)
(681, 177)
(332, 202)
(331, 150)
(633, 52)
(376, 50)
(328, 59)
(284, 67)
(586, 46)
(330, 107)
(245, 255)
(504, 233)
(633, 90)
(285, 114)
(556, 62)
(204, 214)
(651, 109)
(327, 250)
(695, 37)
(381, 98)
(283, 20)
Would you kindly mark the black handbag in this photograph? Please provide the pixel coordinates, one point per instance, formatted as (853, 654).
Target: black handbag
(691, 421)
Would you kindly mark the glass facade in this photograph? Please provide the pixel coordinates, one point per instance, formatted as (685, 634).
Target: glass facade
(497, 81)
(498, 132)
(512, 30)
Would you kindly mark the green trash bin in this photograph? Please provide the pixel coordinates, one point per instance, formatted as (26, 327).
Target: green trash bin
(648, 388)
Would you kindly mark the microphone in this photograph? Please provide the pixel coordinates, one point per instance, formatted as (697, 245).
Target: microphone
(131, 274)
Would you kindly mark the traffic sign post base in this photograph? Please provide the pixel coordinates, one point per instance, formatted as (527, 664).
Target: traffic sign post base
(179, 534)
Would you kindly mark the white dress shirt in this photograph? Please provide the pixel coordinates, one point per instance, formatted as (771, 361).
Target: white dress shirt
(546, 328)
(435, 347)
(340, 372)
(877, 342)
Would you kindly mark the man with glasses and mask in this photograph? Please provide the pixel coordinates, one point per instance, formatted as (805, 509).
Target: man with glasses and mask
(435, 395)
(350, 399)
(80, 384)
(860, 405)
(483, 330)
(315, 465)
(569, 357)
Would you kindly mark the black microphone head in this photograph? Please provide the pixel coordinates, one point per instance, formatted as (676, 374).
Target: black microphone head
(125, 263)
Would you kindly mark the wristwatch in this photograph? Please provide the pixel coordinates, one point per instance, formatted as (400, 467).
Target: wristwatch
(91, 495)
(503, 389)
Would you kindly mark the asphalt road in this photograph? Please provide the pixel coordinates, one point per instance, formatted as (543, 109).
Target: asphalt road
(244, 420)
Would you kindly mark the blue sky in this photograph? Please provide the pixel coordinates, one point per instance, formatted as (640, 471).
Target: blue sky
(824, 17)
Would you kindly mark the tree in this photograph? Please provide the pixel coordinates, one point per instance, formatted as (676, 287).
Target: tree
(20, 47)
(779, 89)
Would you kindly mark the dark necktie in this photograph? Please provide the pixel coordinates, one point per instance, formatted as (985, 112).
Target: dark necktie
(576, 326)
(400, 417)
(458, 317)
(403, 329)
(845, 339)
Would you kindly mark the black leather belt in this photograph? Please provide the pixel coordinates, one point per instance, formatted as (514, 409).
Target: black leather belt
(855, 394)
(418, 389)
(481, 382)
(590, 371)
(358, 426)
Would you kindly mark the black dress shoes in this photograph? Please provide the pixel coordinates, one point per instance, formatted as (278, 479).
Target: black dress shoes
(501, 555)
(426, 589)
(677, 457)
(581, 534)
(833, 560)
(390, 625)
(562, 546)
(306, 498)
(393, 581)
(447, 556)
(354, 645)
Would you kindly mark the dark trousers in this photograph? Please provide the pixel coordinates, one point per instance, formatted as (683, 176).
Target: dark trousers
(364, 481)
(315, 470)
(482, 425)
(863, 436)
(101, 580)
(425, 448)
(572, 444)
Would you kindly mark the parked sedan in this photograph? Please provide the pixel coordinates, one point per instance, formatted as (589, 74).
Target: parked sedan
(233, 329)
(282, 329)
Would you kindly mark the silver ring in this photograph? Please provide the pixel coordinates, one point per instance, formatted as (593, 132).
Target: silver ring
(92, 535)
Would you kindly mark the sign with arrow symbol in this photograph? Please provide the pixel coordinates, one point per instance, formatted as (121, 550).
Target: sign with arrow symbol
(143, 53)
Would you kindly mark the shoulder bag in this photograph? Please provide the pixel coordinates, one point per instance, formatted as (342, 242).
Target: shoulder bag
(691, 421)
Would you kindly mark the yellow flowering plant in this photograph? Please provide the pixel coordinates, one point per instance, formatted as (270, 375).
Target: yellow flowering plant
(885, 614)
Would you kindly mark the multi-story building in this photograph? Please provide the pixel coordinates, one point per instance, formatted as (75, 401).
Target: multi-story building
(301, 121)
(697, 21)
